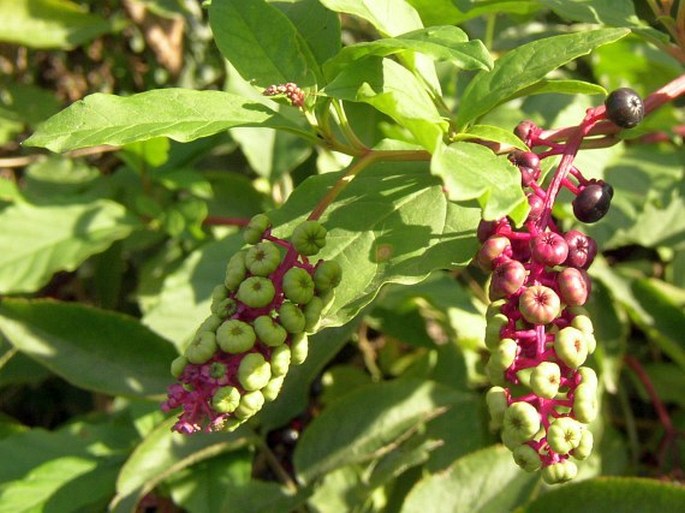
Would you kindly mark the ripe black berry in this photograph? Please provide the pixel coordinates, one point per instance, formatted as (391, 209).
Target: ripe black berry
(593, 202)
(624, 107)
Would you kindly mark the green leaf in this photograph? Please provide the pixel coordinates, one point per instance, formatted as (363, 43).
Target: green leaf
(394, 91)
(525, 66)
(627, 495)
(262, 43)
(49, 23)
(180, 114)
(491, 133)
(262, 497)
(408, 229)
(184, 300)
(441, 12)
(487, 481)
(68, 483)
(562, 87)
(616, 13)
(51, 238)
(472, 171)
(92, 349)
(368, 423)
(442, 43)
(162, 453)
(377, 12)
(319, 26)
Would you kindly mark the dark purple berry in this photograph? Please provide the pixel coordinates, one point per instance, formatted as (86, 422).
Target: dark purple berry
(549, 248)
(581, 249)
(624, 107)
(593, 201)
(528, 164)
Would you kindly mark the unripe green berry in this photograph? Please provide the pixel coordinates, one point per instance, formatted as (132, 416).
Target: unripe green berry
(563, 434)
(298, 285)
(585, 403)
(494, 371)
(226, 399)
(254, 231)
(234, 336)
(527, 458)
(202, 348)
(510, 440)
(217, 370)
(178, 365)
(263, 259)
(588, 377)
(254, 372)
(545, 379)
(522, 421)
(493, 329)
(250, 404)
(299, 349)
(571, 347)
(494, 308)
(560, 472)
(583, 323)
(273, 388)
(496, 399)
(309, 237)
(235, 271)
(230, 424)
(269, 331)
(211, 323)
(291, 318)
(312, 314)
(585, 446)
(505, 353)
(256, 292)
(327, 275)
(280, 360)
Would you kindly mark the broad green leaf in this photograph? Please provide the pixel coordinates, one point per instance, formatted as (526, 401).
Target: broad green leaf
(262, 43)
(93, 349)
(441, 12)
(396, 92)
(319, 26)
(184, 300)
(526, 65)
(368, 423)
(295, 395)
(472, 171)
(262, 497)
(41, 240)
(442, 43)
(162, 453)
(493, 134)
(627, 495)
(49, 23)
(180, 114)
(390, 17)
(668, 380)
(617, 13)
(211, 482)
(487, 481)
(562, 87)
(391, 224)
(68, 483)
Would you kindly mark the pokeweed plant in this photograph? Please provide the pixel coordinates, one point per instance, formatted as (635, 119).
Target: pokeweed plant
(287, 199)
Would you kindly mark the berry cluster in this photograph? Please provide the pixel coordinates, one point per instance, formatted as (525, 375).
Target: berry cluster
(290, 90)
(272, 296)
(538, 333)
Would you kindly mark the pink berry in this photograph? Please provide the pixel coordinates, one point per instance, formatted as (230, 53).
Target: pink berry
(581, 249)
(507, 278)
(492, 249)
(574, 286)
(539, 304)
(549, 248)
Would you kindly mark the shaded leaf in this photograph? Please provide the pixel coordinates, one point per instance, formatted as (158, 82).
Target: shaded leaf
(368, 423)
(49, 23)
(92, 349)
(41, 240)
(180, 114)
(627, 495)
(377, 12)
